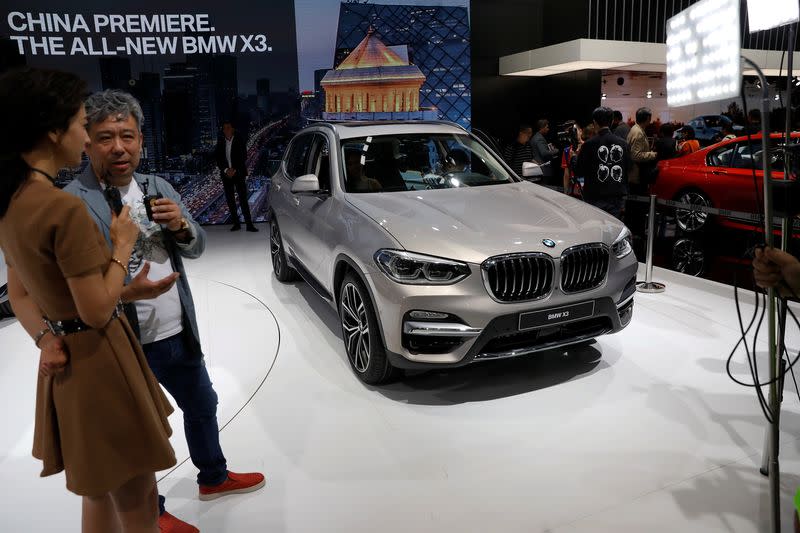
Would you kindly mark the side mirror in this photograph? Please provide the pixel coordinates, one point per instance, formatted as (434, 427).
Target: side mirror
(308, 184)
(531, 170)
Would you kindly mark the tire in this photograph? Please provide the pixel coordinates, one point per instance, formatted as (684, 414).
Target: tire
(277, 253)
(361, 334)
(692, 221)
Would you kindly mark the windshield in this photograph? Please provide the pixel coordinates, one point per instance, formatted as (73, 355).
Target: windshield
(716, 121)
(414, 162)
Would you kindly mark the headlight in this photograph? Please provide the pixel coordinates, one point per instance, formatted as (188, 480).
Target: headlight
(416, 269)
(623, 245)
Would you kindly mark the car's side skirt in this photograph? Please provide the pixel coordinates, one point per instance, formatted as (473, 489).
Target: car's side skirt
(310, 279)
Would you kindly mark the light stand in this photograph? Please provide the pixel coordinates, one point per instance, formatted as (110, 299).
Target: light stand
(769, 462)
(774, 355)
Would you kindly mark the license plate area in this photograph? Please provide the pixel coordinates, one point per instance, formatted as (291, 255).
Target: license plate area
(555, 315)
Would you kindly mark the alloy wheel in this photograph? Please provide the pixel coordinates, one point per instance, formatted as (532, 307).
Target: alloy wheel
(355, 327)
(690, 221)
(688, 257)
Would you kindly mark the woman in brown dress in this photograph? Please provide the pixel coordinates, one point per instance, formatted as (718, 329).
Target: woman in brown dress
(100, 414)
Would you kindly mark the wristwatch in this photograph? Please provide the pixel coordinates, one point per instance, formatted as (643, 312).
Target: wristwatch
(184, 226)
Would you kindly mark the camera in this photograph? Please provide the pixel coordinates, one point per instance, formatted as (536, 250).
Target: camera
(567, 134)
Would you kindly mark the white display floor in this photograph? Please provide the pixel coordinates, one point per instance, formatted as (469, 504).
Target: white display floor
(642, 432)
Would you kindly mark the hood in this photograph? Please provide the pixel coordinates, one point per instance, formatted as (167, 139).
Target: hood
(472, 224)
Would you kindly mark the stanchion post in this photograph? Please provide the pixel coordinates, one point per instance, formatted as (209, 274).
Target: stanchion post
(648, 285)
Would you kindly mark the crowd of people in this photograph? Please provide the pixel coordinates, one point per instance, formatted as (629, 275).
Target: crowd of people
(96, 278)
(606, 159)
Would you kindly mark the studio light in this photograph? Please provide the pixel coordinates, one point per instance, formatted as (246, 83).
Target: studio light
(703, 47)
(766, 14)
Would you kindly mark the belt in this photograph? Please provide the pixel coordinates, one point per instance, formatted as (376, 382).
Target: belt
(62, 328)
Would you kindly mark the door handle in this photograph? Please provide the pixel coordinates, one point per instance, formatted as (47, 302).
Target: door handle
(296, 201)
(719, 172)
(277, 186)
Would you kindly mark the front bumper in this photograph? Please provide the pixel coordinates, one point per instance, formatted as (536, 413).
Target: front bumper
(479, 328)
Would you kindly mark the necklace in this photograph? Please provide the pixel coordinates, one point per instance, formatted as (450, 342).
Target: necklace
(43, 173)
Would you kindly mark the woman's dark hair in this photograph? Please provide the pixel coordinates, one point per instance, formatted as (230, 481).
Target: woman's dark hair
(33, 102)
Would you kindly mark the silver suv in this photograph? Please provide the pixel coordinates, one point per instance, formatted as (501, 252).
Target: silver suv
(436, 254)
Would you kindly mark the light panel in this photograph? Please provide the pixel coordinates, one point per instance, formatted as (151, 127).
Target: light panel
(767, 14)
(703, 48)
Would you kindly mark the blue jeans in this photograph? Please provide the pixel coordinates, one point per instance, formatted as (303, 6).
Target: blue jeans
(184, 375)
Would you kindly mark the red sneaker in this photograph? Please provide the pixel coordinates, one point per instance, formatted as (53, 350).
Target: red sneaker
(170, 524)
(235, 484)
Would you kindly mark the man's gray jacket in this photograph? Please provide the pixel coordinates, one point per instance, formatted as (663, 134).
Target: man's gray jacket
(87, 188)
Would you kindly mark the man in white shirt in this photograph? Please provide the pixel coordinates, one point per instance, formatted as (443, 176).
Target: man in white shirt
(157, 286)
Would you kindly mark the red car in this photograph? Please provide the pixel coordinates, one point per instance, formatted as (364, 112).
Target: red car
(718, 176)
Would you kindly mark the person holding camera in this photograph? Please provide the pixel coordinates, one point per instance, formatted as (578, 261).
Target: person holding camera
(100, 414)
(156, 284)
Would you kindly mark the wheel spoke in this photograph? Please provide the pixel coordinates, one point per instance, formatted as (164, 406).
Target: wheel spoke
(363, 352)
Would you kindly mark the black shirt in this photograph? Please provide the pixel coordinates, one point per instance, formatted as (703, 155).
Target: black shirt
(603, 164)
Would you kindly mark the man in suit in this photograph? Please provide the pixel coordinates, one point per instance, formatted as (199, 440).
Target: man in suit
(643, 158)
(544, 152)
(231, 155)
(158, 299)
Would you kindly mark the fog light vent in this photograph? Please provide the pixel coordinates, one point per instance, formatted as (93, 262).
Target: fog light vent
(428, 315)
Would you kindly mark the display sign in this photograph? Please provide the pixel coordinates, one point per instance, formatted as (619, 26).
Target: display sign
(268, 67)
(703, 53)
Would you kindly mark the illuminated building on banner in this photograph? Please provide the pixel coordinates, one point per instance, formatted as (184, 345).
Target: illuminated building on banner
(374, 82)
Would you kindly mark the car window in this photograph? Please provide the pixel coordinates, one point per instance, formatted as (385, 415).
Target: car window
(298, 158)
(750, 155)
(320, 162)
(721, 157)
(413, 162)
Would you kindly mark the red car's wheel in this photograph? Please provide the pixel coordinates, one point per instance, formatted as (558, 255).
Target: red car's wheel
(692, 221)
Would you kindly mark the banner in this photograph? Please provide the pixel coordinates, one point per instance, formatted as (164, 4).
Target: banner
(267, 67)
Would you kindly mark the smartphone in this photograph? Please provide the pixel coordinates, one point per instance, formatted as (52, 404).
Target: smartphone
(114, 199)
(149, 203)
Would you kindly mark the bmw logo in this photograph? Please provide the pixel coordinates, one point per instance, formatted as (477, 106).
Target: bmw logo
(549, 243)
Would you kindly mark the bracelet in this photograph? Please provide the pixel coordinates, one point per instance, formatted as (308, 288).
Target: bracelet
(122, 266)
(39, 336)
